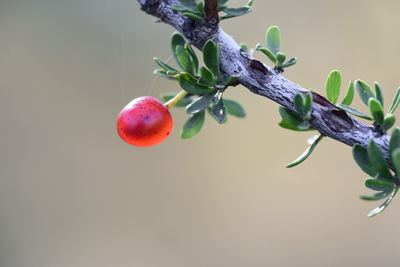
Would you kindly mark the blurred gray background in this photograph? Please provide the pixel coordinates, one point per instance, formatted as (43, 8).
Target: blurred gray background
(72, 194)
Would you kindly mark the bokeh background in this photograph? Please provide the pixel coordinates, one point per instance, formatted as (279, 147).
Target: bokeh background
(72, 194)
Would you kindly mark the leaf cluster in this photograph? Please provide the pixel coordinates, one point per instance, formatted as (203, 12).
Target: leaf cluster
(204, 85)
(372, 161)
(195, 9)
(272, 51)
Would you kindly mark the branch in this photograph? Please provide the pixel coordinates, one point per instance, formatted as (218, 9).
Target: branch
(260, 79)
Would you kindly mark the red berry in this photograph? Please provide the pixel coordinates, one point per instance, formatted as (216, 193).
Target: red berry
(145, 121)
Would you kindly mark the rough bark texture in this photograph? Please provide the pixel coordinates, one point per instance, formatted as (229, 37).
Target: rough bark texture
(260, 79)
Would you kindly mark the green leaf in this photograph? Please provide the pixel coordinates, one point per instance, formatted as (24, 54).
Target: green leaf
(388, 122)
(229, 80)
(267, 53)
(378, 92)
(165, 66)
(190, 85)
(306, 153)
(376, 196)
(200, 103)
(354, 112)
(360, 155)
(394, 141)
(219, 111)
(200, 8)
(376, 110)
(290, 62)
(308, 106)
(289, 116)
(193, 57)
(384, 205)
(273, 38)
(364, 91)
(298, 104)
(184, 59)
(245, 47)
(395, 102)
(206, 77)
(378, 161)
(193, 15)
(286, 125)
(163, 73)
(211, 57)
(333, 86)
(189, 3)
(292, 122)
(395, 155)
(182, 103)
(280, 57)
(222, 2)
(379, 185)
(236, 12)
(193, 125)
(234, 108)
(177, 39)
(348, 98)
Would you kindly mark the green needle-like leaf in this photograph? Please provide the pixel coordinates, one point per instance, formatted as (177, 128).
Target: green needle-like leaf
(182, 103)
(211, 57)
(364, 91)
(360, 155)
(333, 86)
(354, 112)
(177, 39)
(348, 99)
(234, 108)
(378, 161)
(394, 141)
(384, 205)
(190, 85)
(395, 102)
(219, 111)
(193, 125)
(200, 103)
(306, 153)
(268, 53)
(376, 110)
(273, 38)
(378, 92)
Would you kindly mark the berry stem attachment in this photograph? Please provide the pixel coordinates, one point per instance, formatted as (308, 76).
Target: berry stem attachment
(172, 102)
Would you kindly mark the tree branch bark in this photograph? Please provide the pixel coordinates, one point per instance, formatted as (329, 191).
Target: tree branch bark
(260, 79)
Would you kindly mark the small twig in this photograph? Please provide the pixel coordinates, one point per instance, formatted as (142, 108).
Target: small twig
(211, 8)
